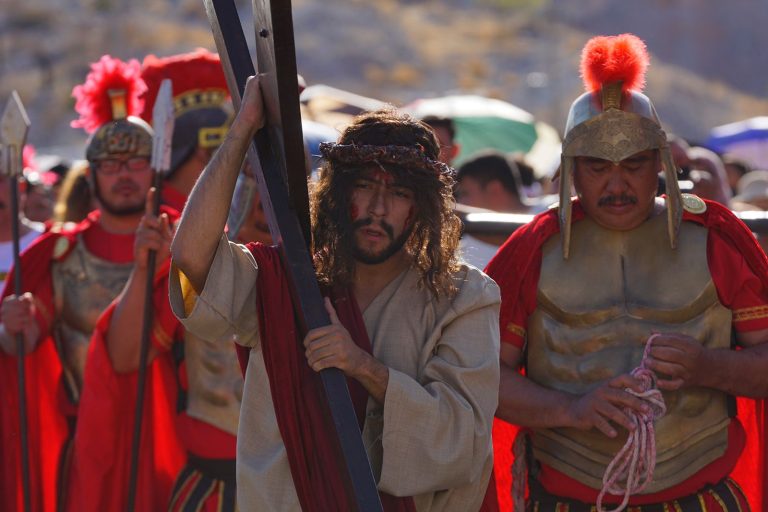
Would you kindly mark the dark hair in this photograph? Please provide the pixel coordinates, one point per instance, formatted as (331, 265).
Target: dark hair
(441, 122)
(491, 165)
(434, 238)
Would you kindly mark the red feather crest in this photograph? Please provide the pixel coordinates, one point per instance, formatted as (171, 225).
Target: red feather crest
(28, 157)
(609, 59)
(93, 102)
(197, 70)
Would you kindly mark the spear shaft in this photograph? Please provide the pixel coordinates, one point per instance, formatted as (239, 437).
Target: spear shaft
(20, 349)
(14, 126)
(162, 121)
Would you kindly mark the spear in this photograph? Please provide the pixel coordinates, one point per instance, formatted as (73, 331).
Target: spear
(162, 122)
(14, 127)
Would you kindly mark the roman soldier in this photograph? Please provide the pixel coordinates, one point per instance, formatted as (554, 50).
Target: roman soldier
(195, 385)
(625, 310)
(203, 114)
(70, 276)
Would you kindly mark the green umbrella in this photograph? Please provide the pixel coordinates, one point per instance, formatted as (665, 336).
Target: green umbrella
(487, 123)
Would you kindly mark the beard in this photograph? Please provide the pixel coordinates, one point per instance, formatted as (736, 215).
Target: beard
(117, 210)
(375, 258)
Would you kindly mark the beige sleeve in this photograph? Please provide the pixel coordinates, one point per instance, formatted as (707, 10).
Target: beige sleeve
(226, 308)
(437, 430)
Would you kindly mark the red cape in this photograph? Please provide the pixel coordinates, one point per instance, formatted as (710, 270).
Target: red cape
(102, 448)
(101, 453)
(46, 402)
(513, 261)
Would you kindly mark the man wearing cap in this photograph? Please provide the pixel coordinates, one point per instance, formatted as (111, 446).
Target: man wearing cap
(624, 315)
(69, 277)
(384, 245)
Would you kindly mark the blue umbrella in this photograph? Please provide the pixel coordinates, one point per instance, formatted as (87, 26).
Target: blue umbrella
(747, 139)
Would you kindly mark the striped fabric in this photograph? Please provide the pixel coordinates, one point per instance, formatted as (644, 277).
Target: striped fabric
(197, 492)
(725, 496)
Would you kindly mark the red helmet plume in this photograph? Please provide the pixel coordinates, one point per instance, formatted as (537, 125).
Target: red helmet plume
(94, 103)
(609, 59)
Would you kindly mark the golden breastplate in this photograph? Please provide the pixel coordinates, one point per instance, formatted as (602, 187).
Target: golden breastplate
(83, 286)
(215, 382)
(595, 312)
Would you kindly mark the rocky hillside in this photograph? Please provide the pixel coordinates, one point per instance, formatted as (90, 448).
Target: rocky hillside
(707, 66)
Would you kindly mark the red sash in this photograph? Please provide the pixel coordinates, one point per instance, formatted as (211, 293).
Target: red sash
(297, 392)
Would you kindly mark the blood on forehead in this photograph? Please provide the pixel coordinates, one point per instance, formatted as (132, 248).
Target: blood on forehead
(383, 176)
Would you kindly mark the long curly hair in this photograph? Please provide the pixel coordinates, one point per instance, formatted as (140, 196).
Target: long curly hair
(387, 138)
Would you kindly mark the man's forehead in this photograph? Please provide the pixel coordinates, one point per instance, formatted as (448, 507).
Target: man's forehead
(382, 174)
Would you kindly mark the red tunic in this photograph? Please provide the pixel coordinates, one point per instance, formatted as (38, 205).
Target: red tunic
(101, 458)
(739, 271)
(102, 448)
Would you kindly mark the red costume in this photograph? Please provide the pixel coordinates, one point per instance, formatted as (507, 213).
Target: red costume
(102, 447)
(74, 275)
(175, 429)
(52, 411)
(740, 272)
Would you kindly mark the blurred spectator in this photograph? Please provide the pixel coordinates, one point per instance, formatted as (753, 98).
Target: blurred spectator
(492, 181)
(28, 230)
(530, 187)
(753, 195)
(735, 169)
(679, 148)
(446, 134)
(75, 199)
(41, 195)
(752, 192)
(40, 188)
(708, 176)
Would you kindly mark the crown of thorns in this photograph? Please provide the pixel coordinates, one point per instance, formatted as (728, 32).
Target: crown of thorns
(410, 157)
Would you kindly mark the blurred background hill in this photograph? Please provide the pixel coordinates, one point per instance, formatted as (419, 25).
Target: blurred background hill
(708, 65)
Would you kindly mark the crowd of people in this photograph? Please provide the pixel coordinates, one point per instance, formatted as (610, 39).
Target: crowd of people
(486, 372)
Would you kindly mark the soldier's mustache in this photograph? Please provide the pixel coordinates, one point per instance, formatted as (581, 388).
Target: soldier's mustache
(388, 229)
(617, 200)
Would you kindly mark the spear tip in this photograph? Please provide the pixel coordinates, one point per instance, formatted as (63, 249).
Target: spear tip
(14, 126)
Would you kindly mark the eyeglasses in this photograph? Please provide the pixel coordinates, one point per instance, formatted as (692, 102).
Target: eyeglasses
(112, 166)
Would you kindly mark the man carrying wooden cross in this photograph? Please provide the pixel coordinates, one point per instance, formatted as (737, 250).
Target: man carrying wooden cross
(415, 332)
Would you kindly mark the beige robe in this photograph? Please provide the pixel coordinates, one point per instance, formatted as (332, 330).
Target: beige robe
(432, 437)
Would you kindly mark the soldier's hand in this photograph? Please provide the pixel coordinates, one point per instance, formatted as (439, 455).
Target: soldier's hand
(679, 360)
(331, 346)
(153, 234)
(603, 407)
(252, 104)
(19, 317)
